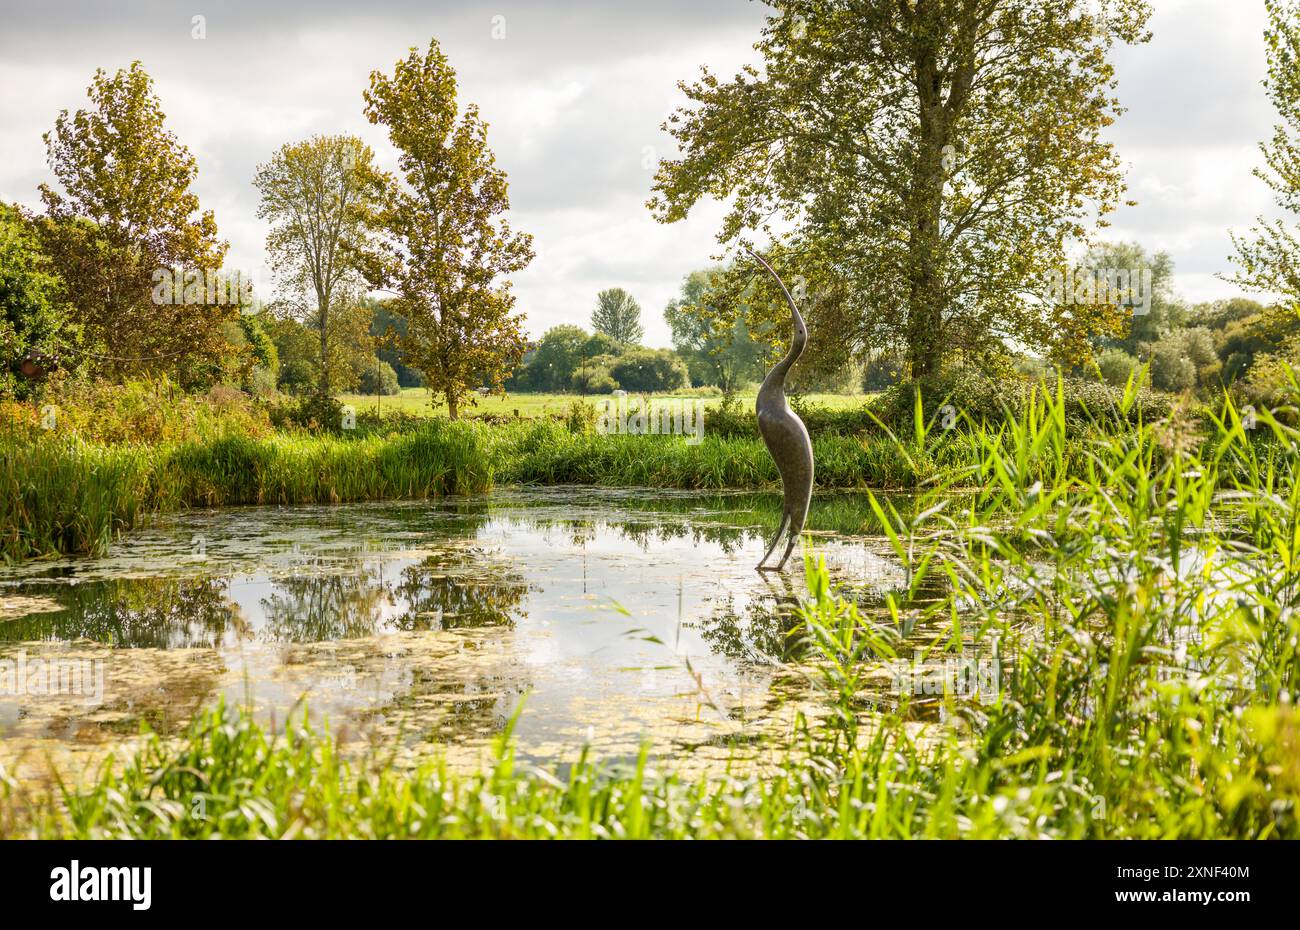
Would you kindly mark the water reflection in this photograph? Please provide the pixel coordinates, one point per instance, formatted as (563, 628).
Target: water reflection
(460, 589)
(159, 613)
(621, 615)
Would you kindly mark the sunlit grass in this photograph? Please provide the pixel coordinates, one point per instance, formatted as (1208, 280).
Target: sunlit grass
(416, 401)
(1141, 594)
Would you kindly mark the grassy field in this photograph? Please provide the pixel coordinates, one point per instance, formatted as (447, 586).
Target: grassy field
(415, 401)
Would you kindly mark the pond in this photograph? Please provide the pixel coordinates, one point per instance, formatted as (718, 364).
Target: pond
(417, 628)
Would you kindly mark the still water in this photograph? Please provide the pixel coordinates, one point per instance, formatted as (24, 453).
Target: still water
(617, 618)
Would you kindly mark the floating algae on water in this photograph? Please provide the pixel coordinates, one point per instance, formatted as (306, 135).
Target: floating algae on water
(418, 628)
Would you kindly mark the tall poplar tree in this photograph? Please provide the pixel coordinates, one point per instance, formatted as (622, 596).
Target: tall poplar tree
(317, 194)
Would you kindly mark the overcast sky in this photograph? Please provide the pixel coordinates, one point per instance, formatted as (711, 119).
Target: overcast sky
(574, 93)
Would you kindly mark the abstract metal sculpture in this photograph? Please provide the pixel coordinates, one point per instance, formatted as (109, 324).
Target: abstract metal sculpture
(786, 437)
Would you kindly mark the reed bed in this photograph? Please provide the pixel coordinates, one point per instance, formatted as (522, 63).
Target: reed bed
(65, 495)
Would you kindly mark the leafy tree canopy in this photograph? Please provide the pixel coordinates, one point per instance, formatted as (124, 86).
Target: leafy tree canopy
(618, 316)
(444, 245)
(933, 160)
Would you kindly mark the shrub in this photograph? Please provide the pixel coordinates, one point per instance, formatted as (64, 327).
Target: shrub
(979, 398)
(318, 412)
(649, 370)
(581, 417)
(1171, 369)
(379, 378)
(593, 380)
(1116, 366)
(1272, 384)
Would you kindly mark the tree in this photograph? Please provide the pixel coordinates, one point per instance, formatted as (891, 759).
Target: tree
(1116, 366)
(265, 372)
(1267, 257)
(1171, 369)
(315, 194)
(618, 316)
(649, 370)
(715, 353)
(1162, 313)
(445, 245)
(32, 323)
(127, 214)
(560, 353)
(933, 158)
(386, 327)
(297, 345)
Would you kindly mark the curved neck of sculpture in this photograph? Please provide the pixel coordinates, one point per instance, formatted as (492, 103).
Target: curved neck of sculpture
(776, 377)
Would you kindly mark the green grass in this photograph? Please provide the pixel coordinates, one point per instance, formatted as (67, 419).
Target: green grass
(63, 494)
(1142, 598)
(60, 493)
(416, 402)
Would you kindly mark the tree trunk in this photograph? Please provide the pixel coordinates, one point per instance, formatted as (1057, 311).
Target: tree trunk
(324, 350)
(453, 407)
(925, 303)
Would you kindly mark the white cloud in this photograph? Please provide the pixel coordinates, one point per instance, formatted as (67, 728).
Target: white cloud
(574, 94)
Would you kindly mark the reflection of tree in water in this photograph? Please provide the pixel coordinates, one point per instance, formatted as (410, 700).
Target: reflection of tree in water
(159, 613)
(832, 511)
(460, 589)
(646, 533)
(729, 539)
(325, 605)
(437, 709)
(763, 630)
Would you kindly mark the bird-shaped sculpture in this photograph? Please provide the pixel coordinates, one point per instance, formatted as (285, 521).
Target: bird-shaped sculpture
(786, 437)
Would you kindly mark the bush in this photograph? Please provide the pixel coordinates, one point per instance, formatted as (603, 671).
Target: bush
(581, 417)
(979, 398)
(380, 378)
(1171, 369)
(731, 419)
(971, 394)
(297, 376)
(1116, 366)
(261, 381)
(1272, 384)
(650, 370)
(593, 381)
(318, 412)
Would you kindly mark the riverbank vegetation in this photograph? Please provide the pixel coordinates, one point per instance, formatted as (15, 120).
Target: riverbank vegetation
(1136, 626)
(105, 461)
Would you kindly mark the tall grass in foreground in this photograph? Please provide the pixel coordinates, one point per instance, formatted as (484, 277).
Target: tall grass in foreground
(1145, 606)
